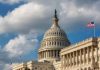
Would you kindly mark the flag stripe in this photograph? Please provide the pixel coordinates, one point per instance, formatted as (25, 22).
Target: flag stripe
(91, 24)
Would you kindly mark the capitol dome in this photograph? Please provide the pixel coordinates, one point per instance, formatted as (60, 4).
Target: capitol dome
(53, 41)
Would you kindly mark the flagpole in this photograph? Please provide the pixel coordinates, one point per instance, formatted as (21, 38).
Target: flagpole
(94, 30)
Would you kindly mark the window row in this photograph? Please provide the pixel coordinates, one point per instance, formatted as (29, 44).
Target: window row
(54, 43)
(56, 33)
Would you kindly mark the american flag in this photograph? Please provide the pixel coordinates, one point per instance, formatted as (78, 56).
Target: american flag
(91, 24)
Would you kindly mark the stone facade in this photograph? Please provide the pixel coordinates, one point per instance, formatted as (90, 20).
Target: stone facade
(33, 65)
(82, 56)
(56, 52)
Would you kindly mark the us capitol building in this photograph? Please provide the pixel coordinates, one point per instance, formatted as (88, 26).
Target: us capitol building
(57, 53)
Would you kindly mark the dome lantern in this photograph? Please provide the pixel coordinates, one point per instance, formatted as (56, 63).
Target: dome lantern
(55, 19)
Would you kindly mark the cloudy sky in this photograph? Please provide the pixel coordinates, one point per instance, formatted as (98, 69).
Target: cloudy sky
(23, 23)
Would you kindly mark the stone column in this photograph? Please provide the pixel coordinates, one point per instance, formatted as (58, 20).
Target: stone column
(70, 59)
(76, 58)
(80, 56)
(88, 55)
(66, 60)
(56, 53)
(53, 53)
(41, 54)
(92, 58)
(96, 50)
(50, 53)
(62, 62)
(97, 57)
(73, 58)
(46, 53)
(23, 68)
(84, 55)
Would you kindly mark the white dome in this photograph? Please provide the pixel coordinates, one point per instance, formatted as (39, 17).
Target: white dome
(54, 38)
(53, 41)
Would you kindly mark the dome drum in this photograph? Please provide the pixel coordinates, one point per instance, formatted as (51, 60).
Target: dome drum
(49, 55)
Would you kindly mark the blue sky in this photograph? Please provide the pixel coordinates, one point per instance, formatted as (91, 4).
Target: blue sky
(24, 22)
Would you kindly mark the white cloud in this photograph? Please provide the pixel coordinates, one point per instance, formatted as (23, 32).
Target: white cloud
(77, 15)
(34, 14)
(71, 10)
(11, 1)
(23, 18)
(20, 45)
